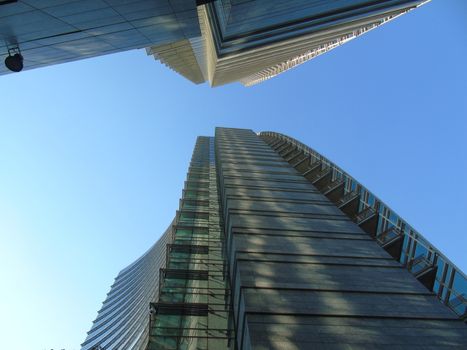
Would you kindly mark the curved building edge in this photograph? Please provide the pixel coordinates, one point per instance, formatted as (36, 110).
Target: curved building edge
(123, 320)
(415, 252)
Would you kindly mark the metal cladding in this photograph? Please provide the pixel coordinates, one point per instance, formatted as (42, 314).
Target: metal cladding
(275, 247)
(252, 41)
(59, 31)
(123, 320)
(214, 41)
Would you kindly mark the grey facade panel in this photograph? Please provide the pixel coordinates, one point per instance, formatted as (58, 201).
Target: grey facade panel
(283, 207)
(324, 332)
(305, 276)
(269, 194)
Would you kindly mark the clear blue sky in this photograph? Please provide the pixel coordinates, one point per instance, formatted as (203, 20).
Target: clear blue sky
(93, 155)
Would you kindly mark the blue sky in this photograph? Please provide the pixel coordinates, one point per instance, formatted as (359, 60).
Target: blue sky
(93, 155)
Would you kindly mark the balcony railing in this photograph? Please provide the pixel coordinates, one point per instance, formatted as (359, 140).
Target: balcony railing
(332, 186)
(389, 235)
(449, 282)
(364, 215)
(349, 196)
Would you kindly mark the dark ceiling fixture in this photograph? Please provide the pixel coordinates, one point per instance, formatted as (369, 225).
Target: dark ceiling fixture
(5, 2)
(14, 60)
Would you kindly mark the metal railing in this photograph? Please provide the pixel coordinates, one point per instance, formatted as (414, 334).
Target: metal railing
(450, 282)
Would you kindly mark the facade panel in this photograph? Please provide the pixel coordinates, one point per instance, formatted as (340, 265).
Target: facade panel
(292, 267)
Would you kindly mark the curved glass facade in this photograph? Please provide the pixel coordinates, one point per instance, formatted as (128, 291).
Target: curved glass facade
(123, 320)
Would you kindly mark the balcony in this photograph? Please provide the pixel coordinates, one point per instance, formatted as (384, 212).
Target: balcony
(289, 153)
(195, 195)
(301, 163)
(459, 304)
(193, 218)
(313, 168)
(334, 190)
(283, 147)
(184, 274)
(275, 143)
(392, 241)
(278, 143)
(187, 248)
(322, 178)
(424, 270)
(367, 219)
(185, 309)
(192, 204)
(349, 203)
(293, 157)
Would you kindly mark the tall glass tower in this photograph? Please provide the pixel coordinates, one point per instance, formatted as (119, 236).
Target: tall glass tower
(275, 247)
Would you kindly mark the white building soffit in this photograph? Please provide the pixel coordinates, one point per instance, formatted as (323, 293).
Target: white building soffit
(256, 64)
(295, 61)
(180, 57)
(277, 69)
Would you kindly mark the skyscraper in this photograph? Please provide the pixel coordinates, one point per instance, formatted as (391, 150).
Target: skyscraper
(218, 41)
(275, 247)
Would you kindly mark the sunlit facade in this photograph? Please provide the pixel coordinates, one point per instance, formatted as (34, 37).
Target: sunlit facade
(275, 247)
(214, 41)
(122, 321)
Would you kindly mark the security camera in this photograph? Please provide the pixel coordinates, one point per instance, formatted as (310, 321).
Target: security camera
(14, 62)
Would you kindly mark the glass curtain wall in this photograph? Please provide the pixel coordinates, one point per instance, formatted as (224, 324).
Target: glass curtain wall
(193, 310)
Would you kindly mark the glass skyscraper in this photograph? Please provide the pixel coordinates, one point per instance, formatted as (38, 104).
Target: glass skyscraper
(275, 247)
(214, 41)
